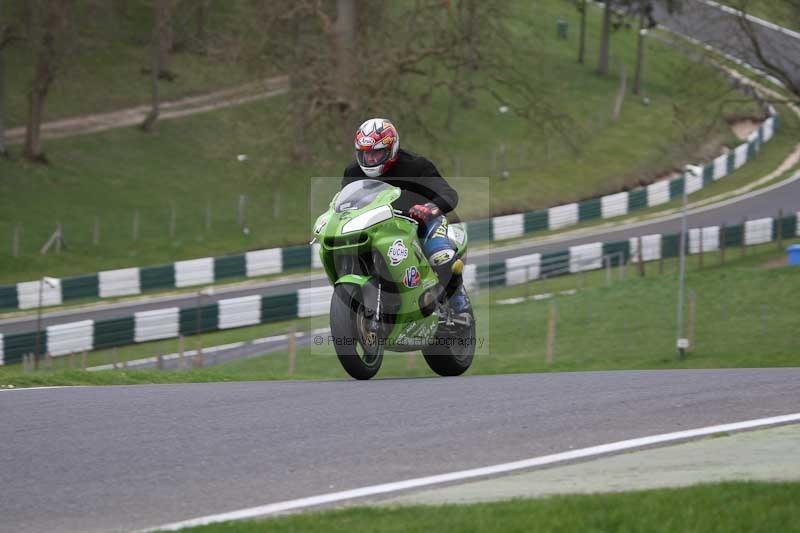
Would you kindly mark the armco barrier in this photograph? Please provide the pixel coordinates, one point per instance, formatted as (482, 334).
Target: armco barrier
(203, 271)
(168, 323)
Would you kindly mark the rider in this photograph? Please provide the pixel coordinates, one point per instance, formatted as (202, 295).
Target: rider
(426, 197)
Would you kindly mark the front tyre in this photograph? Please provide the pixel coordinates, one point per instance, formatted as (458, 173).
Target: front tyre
(359, 351)
(453, 350)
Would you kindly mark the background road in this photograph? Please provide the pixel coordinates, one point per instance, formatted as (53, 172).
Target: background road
(110, 458)
(723, 31)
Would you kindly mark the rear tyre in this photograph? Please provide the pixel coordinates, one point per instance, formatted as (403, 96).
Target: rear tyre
(453, 351)
(359, 351)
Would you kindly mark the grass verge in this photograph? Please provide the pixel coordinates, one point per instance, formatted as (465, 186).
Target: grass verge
(724, 507)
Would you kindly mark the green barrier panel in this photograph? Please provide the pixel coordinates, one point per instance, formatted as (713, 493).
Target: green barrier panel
(230, 266)
(200, 319)
(535, 221)
(8, 297)
(787, 226)
(589, 209)
(114, 332)
(554, 263)
(637, 199)
(708, 174)
(761, 135)
(734, 235)
(615, 247)
(670, 245)
(479, 230)
(158, 277)
(731, 162)
(676, 187)
(15, 345)
(279, 307)
(296, 257)
(80, 287)
(491, 274)
(752, 150)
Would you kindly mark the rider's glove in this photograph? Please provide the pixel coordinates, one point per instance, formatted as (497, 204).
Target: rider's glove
(424, 212)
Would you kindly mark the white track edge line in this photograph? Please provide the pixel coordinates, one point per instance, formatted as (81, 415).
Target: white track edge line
(463, 475)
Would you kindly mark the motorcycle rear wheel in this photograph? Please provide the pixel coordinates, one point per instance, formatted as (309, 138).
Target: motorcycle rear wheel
(359, 353)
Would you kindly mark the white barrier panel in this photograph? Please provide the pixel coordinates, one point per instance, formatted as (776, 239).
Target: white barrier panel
(470, 276)
(523, 268)
(316, 262)
(2, 351)
(508, 227)
(586, 257)
(119, 282)
(562, 216)
(157, 324)
(28, 294)
(263, 262)
(194, 272)
(753, 136)
(614, 205)
(740, 155)
(236, 312)
(74, 337)
(314, 301)
(720, 166)
(692, 183)
(710, 236)
(758, 231)
(651, 247)
(657, 193)
(769, 128)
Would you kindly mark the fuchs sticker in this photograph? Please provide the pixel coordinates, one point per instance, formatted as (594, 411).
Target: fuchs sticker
(441, 257)
(412, 277)
(397, 252)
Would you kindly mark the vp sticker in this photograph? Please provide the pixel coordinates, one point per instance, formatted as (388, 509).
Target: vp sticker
(412, 277)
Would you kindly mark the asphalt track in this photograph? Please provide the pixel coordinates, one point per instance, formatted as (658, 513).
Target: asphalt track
(761, 204)
(124, 458)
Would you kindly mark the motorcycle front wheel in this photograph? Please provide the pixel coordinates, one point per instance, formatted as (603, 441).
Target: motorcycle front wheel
(359, 351)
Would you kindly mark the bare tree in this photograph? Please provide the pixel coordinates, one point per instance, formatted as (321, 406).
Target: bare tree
(582, 36)
(48, 50)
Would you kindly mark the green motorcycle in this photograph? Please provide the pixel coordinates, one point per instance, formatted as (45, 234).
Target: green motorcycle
(386, 295)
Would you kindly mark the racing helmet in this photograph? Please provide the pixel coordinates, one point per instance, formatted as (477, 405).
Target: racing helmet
(377, 145)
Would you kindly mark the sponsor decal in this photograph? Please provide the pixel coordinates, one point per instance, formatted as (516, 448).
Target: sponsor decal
(441, 257)
(397, 252)
(388, 140)
(366, 141)
(412, 277)
(441, 231)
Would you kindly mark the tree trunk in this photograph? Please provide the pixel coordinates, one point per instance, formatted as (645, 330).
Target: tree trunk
(582, 37)
(602, 66)
(200, 20)
(346, 72)
(637, 81)
(46, 53)
(164, 37)
(155, 99)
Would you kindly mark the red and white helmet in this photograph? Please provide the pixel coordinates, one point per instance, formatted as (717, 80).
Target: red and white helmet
(377, 145)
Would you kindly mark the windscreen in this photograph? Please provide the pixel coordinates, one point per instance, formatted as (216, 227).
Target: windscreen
(359, 194)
